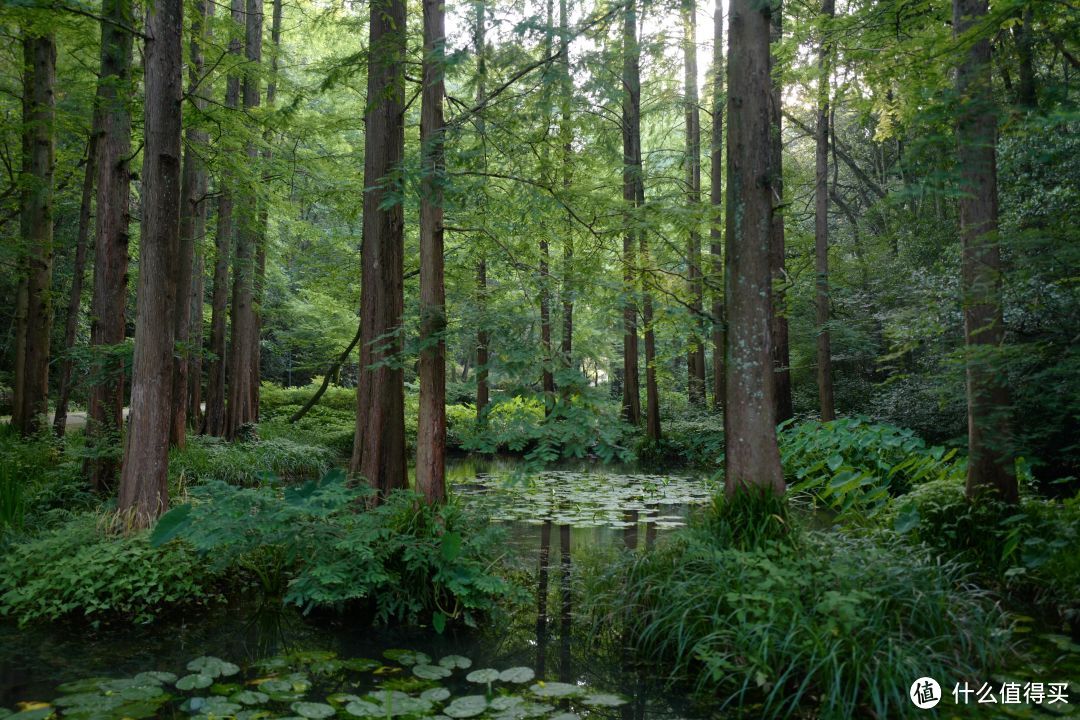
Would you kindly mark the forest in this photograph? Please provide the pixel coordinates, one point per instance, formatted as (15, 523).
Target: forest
(566, 359)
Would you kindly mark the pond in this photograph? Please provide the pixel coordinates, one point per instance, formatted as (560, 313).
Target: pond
(554, 519)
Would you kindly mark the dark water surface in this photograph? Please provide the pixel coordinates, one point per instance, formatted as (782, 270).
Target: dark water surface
(554, 522)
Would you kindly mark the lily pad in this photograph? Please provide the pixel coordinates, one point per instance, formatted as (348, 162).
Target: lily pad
(275, 685)
(430, 672)
(39, 713)
(517, 675)
(436, 694)
(313, 710)
(407, 657)
(566, 716)
(194, 681)
(483, 676)
(250, 697)
(360, 664)
(604, 700)
(212, 666)
(505, 702)
(554, 690)
(364, 709)
(456, 662)
(142, 693)
(466, 707)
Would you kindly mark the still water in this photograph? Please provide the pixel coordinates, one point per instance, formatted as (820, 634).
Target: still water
(554, 520)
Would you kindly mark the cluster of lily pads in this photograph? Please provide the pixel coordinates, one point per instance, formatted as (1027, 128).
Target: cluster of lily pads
(583, 499)
(318, 686)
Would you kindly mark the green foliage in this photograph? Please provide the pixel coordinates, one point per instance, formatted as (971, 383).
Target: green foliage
(855, 464)
(696, 442)
(40, 480)
(323, 544)
(81, 571)
(826, 621)
(246, 463)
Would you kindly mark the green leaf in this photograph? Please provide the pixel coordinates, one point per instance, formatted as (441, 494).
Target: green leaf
(170, 525)
(451, 546)
(438, 621)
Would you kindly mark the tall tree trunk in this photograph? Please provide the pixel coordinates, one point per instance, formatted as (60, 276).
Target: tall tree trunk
(241, 409)
(566, 134)
(431, 426)
(652, 391)
(192, 228)
(379, 446)
(695, 357)
(108, 308)
(631, 129)
(548, 378)
(716, 199)
(1023, 35)
(34, 322)
(144, 488)
(483, 338)
(990, 463)
(223, 244)
(752, 458)
(821, 223)
(82, 240)
(777, 253)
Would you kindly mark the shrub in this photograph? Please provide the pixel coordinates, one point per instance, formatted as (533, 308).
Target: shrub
(836, 623)
(245, 463)
(40, 480)
(80, 571)
(692, 441)
(316, 546)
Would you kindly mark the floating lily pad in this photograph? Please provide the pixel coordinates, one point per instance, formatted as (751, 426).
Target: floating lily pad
(88, 685)
(431, 672)
(505, 702)
(517, 675)
(456, 662)
(364, 709)
(341, 698)
(250, 697)
(313, 710)
(326, 667)
(436, 694)
(275, 685)
(37, 713)
(407, 657)
(360, 664)
(252, 714)
(212, 666)
(466, 707)
(483, 676)
(194, 681)
(155, 677)
(142, 693)
(138, 710)
(566, 716)
(604, 700)
(554, 689)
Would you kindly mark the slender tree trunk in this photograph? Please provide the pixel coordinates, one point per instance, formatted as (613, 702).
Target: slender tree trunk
(695, 357)
(71, 321)
(431, 426)
(548, 378)
(144, 489)
(241, 409)
(379, 447)
(566, 135)
(631, 128)
(652, 391)
(777, 253)
(821, 224)
(716, 199)
(108, 308)
(192, 228)
(1023, 35)
(219, 304)
(752, 458)
(34, 322)
(990, 463)
(483, 338)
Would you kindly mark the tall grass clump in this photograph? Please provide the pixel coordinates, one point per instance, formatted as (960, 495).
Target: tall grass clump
(790, 622)
(247, 463)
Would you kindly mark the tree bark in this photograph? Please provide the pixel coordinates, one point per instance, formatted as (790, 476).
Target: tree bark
(752, 458)
(431, 426)
(547, 378)
(223, 244)
(241, 409)
(192, 229)
(82, 241)
(777, 252)
(631, 129)
(34, 321)
(379, 447)
(695, 357)
(716, 199)
(108, 308)
(566, 135)
(990, 462)
(821, 224)
(483, 338)
(144, 489)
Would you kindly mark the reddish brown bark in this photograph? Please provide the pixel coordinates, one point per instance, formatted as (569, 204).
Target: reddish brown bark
(566, 133)
(34, 317)
(631, 131)
(695, 357)
(108, 307)
(379, 447)
(752, 458)
(483, 338)
(144, 489)
(990, 463)
(821, 229)
(716, 199)
(71, 320)
(431, 426)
